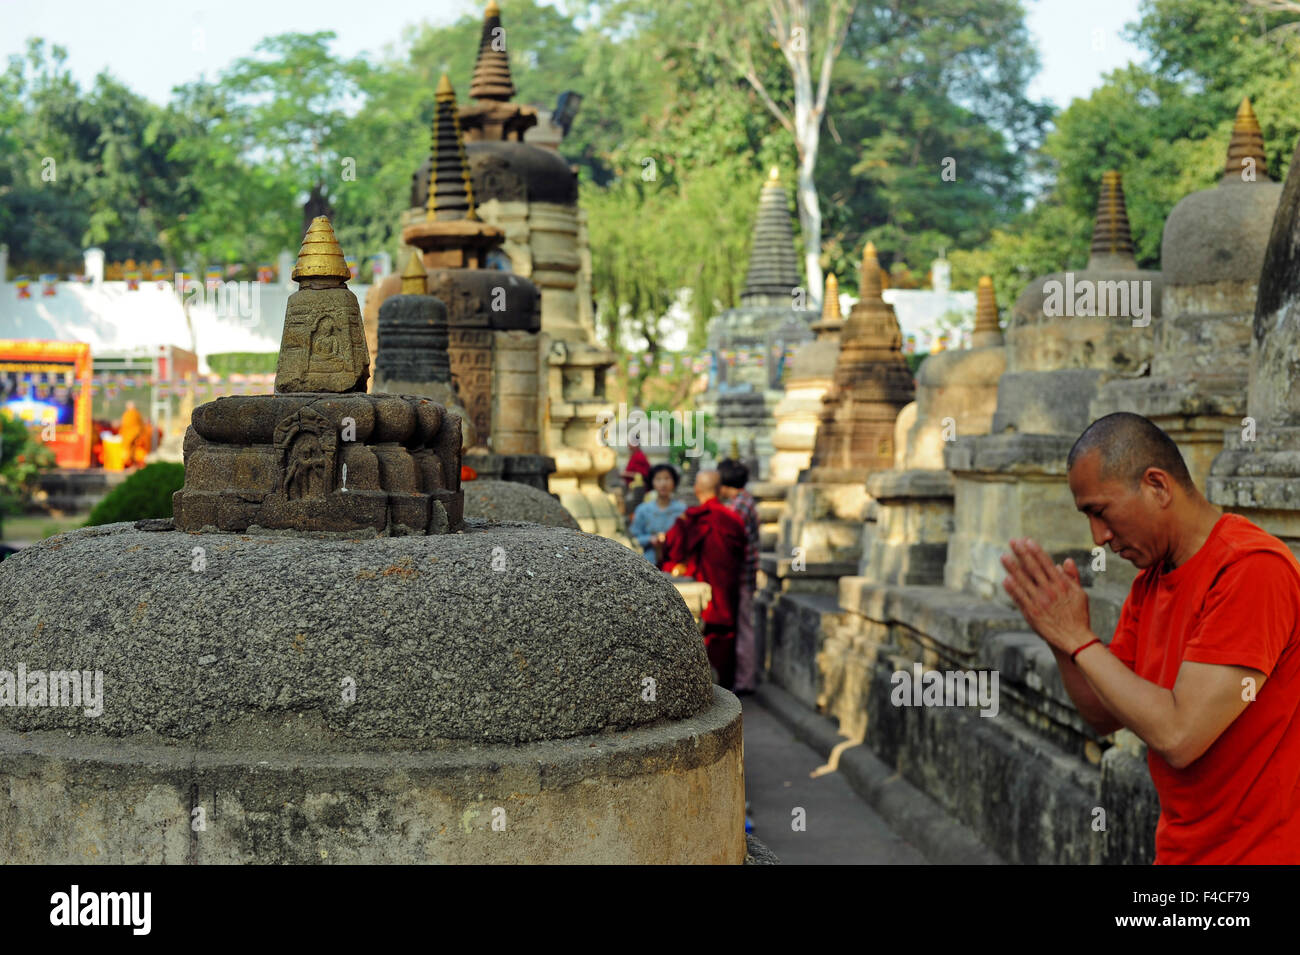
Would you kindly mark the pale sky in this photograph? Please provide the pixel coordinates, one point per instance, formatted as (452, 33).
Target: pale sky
(153, 45)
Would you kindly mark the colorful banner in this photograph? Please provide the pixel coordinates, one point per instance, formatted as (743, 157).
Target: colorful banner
(351, 261)
(265, 273)
(47, 281)
(132, 278)
(212, 277)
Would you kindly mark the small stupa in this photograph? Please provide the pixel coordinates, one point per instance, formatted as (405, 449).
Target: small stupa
(749, 344)
(320, 454)
(413, 356)
(811, 369)
(1211, 252)
(821, 530)
(871, 385)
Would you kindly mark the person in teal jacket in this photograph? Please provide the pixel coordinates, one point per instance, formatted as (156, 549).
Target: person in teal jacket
(656, 514)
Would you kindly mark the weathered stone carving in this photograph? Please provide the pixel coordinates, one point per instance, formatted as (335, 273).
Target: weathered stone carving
(330, 458)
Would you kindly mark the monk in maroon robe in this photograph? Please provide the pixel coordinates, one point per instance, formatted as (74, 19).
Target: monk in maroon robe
(708, 543)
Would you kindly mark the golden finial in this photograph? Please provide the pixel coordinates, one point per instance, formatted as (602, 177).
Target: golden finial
(774, 176)
(444, 91)
(871, 284)
(735, 449)
(415, 280)
(492, 9)
(1246, 147)
(320, 255)
(831, 300)
(986, 306)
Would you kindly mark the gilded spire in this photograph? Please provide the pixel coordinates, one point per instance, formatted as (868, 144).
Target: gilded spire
(320, 255)
(987, 330)
(415, 280)
(831, 300)
(492, 79)
(451, 194)
(1246, 161)
(1111, 237)
(871, 285)
(774, 176)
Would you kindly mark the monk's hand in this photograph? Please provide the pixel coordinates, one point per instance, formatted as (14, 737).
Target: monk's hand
(1050, 596)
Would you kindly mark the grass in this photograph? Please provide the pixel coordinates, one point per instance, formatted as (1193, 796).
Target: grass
(35, 527)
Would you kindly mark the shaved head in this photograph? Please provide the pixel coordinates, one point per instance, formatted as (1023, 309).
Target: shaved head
(1129, 444)
(707, 484)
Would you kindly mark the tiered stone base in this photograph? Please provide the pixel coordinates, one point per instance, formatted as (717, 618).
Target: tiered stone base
(386, 464)
(908, 542)
(1257, 479)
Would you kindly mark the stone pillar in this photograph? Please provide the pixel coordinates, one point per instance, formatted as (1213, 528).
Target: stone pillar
(514, 393)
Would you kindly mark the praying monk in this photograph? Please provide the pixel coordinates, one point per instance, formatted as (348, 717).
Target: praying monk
(1204, 664)
(708, 543)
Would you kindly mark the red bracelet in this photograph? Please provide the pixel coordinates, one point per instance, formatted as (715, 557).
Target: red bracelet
(1084, 647)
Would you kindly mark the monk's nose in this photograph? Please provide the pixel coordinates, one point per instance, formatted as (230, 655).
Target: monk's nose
(1100, 532)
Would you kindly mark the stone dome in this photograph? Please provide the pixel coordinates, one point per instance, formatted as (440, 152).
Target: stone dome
(1219, 234)
(511, 633)
(491, 500)
(510, 172)
(1041, 342)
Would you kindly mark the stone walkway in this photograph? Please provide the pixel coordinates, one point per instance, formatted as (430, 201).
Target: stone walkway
(782, 774)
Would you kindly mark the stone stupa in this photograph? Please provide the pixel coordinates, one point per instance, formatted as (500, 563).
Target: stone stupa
(1069, 334)
(530, 192)
(493, 315)
(1211, 252)
(321, 454)
(750, 344)
(413, 356)
(956, 394)
(306, 667)
(1257, 473)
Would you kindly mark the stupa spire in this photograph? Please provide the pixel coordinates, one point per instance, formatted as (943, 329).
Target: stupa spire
(451, 194)
(320, 257)
(871, 286)
(831, 300)
(773, 268)
(987, 330)
(492, 80)
(415, 280)
(1246, 148)
(1112, 240)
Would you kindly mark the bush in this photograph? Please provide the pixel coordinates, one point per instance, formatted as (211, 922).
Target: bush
(146, 493)
(243, 363)
(22, 459)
